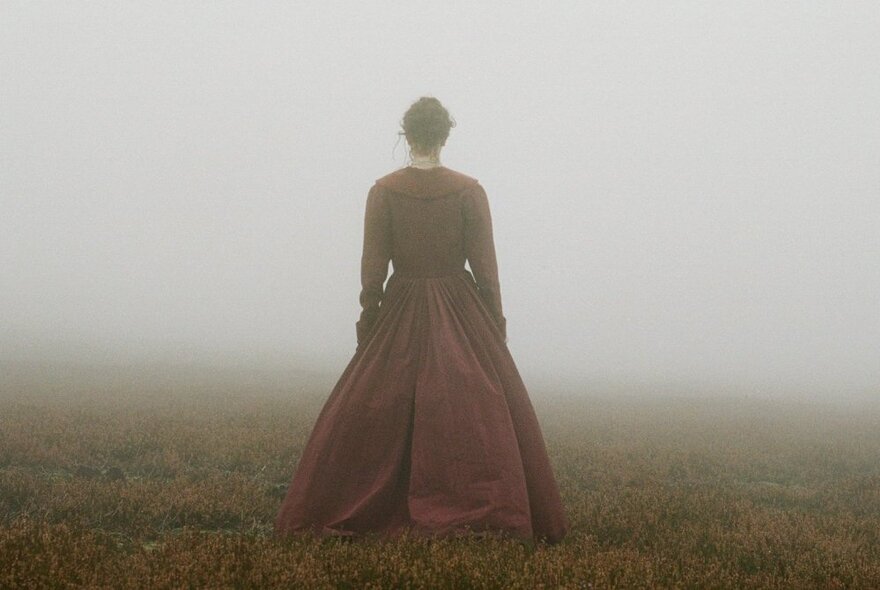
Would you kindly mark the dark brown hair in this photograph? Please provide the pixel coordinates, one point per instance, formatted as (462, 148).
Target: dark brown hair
(426, 124)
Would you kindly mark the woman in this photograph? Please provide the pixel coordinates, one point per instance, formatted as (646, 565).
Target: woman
(430, 428)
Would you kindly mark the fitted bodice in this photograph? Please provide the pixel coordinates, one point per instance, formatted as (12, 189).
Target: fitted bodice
(427, 223)
(427, 235)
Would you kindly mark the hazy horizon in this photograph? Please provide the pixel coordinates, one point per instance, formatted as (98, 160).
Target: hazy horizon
(681, 192)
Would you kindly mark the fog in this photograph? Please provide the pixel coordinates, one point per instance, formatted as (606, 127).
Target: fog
(682, 192)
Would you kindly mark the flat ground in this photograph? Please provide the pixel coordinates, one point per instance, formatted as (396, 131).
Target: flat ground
(154, 479)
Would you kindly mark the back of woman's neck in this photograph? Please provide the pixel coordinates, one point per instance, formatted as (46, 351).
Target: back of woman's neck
(425, 161)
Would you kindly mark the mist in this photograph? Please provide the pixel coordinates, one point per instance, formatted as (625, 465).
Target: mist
(681, 192)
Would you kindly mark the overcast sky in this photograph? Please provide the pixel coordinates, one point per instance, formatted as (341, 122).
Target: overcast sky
(680, 190)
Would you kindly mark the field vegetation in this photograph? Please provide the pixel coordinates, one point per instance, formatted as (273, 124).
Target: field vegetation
(161, 480)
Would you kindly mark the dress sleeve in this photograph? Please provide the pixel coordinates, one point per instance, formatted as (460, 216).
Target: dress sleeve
(480, 252)
(374, 261)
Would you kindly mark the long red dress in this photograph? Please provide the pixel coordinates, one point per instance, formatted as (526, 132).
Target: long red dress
(430, 427)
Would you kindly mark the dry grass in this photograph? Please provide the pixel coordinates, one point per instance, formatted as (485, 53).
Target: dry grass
(128, 486)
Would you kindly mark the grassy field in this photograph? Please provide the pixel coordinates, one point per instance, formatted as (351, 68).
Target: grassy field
(157, 480)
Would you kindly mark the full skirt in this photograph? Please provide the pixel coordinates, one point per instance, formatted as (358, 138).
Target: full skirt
(429, 430)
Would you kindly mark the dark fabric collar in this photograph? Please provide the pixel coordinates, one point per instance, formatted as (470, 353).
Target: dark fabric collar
(426, 183)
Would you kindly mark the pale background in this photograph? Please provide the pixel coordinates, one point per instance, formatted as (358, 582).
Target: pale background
(683, 192)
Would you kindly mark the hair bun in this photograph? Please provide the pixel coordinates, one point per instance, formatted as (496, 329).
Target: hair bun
(426, 124)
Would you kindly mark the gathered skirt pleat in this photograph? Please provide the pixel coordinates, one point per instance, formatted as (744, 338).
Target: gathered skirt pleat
(429, 430)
